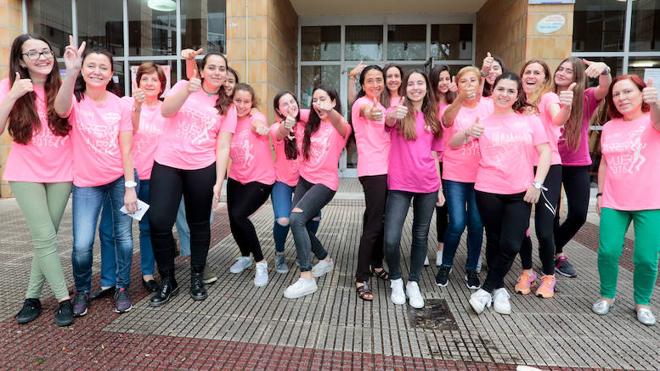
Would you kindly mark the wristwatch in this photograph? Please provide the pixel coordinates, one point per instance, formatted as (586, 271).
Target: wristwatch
(537, 185)
(606, 71)
(130, 184)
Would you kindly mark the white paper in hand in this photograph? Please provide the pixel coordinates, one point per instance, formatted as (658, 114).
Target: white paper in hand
(142, 208)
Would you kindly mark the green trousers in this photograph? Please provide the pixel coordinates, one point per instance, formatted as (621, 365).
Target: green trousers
(613, 227)
(42, 205)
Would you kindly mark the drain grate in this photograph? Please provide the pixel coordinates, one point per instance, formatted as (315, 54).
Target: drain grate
(434, 316)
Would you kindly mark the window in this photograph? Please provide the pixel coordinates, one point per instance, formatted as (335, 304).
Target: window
(645, 26)
(364, 43)
(321, 43)
(598, 25)
(406, 42)
(52, 20)
(451, 41)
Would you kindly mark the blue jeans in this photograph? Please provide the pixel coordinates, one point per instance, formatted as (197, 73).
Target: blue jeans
(396, 210)
(108, 257)
(183, 230)
(462, 210)
(282, 206)
(87, 204)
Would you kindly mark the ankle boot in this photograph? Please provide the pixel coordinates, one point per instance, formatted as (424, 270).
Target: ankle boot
(197, 288)
(168, 289)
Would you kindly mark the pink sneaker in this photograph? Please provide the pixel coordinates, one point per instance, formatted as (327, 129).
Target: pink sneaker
(547, 288)
(525, 282)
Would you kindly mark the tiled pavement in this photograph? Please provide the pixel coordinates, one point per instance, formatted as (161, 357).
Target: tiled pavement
(243, 327)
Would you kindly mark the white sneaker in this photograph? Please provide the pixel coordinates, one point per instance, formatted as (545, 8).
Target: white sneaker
(302, 287)
(398, 295)
(426, 261)
(501, 302)
(414, 295)
(322, 267)
(241, 264)
(480, 300)
(438, 258)
(261, 274)
(645, 316)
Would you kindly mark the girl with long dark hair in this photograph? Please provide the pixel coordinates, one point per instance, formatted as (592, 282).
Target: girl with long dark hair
(323, 139)
(191, 160)
(413, 176)
(38, 167)
(573, 148)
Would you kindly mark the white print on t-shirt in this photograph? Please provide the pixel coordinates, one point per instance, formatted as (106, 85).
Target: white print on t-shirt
(507, 142)
(150, 130)
(242, 148)
(625, 151)
(197, 129)
(320, 145)
(470, 149)
(44, 137)
(101, 136)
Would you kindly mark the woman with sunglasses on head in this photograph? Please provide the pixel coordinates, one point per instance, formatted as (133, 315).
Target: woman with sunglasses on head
(38, 167)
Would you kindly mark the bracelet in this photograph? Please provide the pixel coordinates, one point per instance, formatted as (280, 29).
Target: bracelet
(606, 71)
(599, 194)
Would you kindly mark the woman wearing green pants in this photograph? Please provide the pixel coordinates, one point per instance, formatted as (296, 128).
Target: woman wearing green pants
(628, 179)
(39, 165)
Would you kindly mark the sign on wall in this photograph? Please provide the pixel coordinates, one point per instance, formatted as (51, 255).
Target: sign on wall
(550, 23)
(545, 2)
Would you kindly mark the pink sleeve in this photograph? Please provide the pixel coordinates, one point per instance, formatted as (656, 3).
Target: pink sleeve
(259, 117)
(229, 120)
(182, 84)
(438, 144)
(125, 123)
(355, 110)
(4, 88)
(273, 131)
(538, 133)
(546, 100)
(304, 115)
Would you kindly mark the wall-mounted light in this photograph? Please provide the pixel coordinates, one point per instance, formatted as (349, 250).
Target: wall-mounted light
(162, 5)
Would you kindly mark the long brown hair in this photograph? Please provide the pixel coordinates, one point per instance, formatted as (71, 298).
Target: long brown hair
(435, 79)
(573, 126)
(314, 121)
(385, 100)
(23, 118)
(407, 126)
(535, 97)
(223, 102)
(290, 146)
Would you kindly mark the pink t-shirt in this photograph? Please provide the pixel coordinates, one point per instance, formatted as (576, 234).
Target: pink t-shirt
(189, 138)
(394, 101)
(412, 167)
(96, 127)
(286, 171)
(460, 165)
(580, 157)
(552, 131)
(145, 141)
(326, 147)
(373, 142)
(506, 148)
(47, 158)
(631, 151)
(251, 158)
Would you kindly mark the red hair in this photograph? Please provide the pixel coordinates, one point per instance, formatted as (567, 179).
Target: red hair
(611, 108)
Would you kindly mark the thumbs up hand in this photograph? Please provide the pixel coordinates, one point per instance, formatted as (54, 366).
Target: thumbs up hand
(401, 110)
(452, 85)
(487, 64)
(374, 112)
(191, 53)
(195, 83)
(566, 96)
(649, 93)
(289, 122)
(476, 129)
(20, 87)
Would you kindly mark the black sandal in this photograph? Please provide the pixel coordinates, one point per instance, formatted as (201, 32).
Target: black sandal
(364, 292)
(382, 273)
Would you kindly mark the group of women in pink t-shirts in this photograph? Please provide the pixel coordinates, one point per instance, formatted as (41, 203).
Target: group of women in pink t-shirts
(479, 149)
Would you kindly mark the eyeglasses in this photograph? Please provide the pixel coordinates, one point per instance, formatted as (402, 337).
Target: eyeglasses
(34, 55)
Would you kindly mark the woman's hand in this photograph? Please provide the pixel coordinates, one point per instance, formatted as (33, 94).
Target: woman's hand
(130, 200)
(532, 195)
(441, 199)
(73, 55)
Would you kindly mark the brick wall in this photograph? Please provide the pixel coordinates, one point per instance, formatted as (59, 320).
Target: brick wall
(267, 31)
(10, 27)
(507, 28)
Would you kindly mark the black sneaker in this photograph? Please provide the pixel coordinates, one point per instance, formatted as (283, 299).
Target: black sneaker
(103, 293)
(80, 304)
(442, 278)
(64, 314)
(472, 280)
(123, 302)
(30, 311)
(197, 288)
(564, 267)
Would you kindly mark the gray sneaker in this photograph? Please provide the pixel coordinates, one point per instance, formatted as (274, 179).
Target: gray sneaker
(122, 301)
(280, 263)
(241, 264)
(80, 304)
(209, 276)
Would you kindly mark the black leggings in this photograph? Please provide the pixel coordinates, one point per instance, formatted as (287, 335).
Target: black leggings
(370, 252)
(244, 200)
(576, 185)
(506, 217)
(544, 222)
(168, 184)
